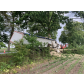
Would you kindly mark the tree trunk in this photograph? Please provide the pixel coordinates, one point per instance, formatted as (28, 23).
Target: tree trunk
(9, 46)
(11, 35)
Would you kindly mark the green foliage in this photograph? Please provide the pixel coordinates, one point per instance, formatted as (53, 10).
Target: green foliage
(36, 46)
(33, 43)
(28, 51)
(77, 50)
(2, 44)
(73, 34)
(5, 62)
(44, 23)
(3, 37)
(22, 51)
(4, 66)
(79, 13)
(8, 24)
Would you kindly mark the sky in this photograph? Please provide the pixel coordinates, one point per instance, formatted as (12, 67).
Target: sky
(71, 15)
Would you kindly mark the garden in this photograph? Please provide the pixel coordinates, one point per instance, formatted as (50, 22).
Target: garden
(30, 59)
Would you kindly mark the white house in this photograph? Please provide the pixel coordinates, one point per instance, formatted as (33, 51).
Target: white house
(19, 35)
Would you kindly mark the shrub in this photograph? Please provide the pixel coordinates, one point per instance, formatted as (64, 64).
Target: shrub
(4, 66)
(30, 51)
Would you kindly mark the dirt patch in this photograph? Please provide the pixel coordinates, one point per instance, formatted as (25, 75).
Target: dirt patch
(53, 69)
(49, 68)
(42, 66)
(83, 69)
(32, 68)
(53, 53)
(77, 67)
(63, 71)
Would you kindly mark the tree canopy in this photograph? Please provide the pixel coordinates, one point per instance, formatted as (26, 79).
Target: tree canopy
(73, 33)
(43, 23)
(3, 36)
(2, 44)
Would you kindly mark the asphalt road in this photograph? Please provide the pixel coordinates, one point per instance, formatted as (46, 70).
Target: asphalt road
(7, 52)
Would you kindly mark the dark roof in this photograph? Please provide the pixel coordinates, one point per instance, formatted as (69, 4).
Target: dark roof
(40, 37)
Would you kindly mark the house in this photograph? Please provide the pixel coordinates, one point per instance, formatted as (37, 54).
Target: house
(19, 35)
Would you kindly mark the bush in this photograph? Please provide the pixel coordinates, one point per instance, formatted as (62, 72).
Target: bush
(30, 51)
(4, 66)
(78, 50)
(22, 51)
(25, 53)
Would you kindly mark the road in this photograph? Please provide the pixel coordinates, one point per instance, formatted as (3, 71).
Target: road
(6, 52)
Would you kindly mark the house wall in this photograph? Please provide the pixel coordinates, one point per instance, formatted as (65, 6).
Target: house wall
(17, 36)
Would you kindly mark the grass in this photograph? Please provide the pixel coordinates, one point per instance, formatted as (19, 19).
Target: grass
(56, 61)
(74, 51)
(4, 63)
(59, 60)
(5, 57)
(11, 50)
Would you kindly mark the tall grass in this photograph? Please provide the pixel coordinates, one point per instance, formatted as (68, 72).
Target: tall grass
(74, 50)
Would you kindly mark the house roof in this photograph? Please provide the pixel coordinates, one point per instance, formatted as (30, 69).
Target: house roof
(40, 37)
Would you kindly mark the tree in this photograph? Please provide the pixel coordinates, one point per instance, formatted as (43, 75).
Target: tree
(9, 19)
(73, 33)
(3, 36)
(79, 14)
(43, 23)
(2, 44)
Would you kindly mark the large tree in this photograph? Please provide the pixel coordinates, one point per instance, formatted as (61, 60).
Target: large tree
(73, 33)
(79, 14)
(2, 44)
(44, 23)
(3, 36)
(9, 19)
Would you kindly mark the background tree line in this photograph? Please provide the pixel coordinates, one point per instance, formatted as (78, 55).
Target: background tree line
(43, 23)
